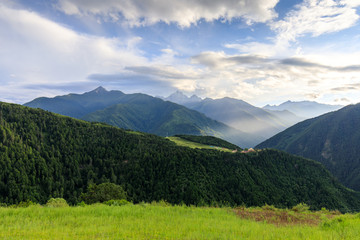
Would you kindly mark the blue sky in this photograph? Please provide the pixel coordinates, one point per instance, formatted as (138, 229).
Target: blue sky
(260, 51)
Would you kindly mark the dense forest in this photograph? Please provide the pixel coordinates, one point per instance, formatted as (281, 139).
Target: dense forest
(45, 155)
(332, 139)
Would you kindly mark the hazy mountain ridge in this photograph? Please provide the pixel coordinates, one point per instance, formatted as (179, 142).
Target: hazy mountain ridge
(241, 115)
(46, 155)
(304, 109)
(332, 139)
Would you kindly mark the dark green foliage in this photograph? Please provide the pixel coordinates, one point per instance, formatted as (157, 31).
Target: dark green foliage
(103, 192)
(117, 202)
(332, 139)
(209, 140)
(43, 155)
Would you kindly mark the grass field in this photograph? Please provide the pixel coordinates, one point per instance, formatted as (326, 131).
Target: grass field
(185, 143)
(156, 221)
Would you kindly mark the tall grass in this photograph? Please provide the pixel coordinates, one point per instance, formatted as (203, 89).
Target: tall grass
(153, 221)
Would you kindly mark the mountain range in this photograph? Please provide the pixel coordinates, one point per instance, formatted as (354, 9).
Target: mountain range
(333, 139)
(141, 112)
(244, 116)
(261, 123)
(45, 155)
(231, 119)
(304, 109)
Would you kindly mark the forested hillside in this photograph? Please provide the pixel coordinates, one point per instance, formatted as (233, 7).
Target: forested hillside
(332, 139)
(45, 155)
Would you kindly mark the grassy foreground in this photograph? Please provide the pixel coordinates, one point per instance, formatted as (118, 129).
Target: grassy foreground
(151, 221)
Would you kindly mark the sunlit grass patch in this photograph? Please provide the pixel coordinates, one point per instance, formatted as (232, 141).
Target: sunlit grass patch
(185, 143)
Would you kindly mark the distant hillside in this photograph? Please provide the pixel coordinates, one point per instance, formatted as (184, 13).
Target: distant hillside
(304, 109)
(78, 105)
(245, 117)
(332, 139)
(141, 112)
(45, 155)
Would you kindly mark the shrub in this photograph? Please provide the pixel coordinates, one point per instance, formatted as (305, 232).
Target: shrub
(81, 204)
(117, 202)
(301, 207)
(57, 203)
(269, 207)
(102, 193)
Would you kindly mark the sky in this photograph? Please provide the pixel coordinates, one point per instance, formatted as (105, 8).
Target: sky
(260, 51)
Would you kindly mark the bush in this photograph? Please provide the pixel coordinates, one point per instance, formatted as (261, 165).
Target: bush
(57, 203)
(102, 193)
(301, 207)
(117, 202)
(81, 204)
(269, 207)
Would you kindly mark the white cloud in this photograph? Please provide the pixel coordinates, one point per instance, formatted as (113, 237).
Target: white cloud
(182, 12)
(39, 51)
(316, 17)
(351, 3)
(261, 79)
(310, 18)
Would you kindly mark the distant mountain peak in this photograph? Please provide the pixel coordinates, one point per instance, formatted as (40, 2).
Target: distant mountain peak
(99, 90)
(180, 98)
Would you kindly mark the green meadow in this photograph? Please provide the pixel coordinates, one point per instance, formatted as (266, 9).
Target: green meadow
(185, 143)
(160, 221)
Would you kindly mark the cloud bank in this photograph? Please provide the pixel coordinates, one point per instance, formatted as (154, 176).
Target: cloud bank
(181, 12)
(41, 52)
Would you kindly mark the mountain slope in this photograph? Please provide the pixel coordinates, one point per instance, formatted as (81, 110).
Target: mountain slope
(245, 117)
(140, 112)
(45, 155)
(304, 109)
(144, 113)
(332, 139)
(78, 105)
